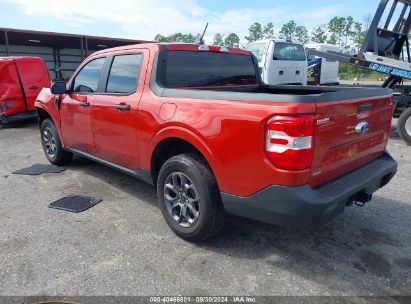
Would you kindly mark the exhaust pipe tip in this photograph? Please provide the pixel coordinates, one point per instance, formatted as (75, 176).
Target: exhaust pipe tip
(359, 199)
(362, 198)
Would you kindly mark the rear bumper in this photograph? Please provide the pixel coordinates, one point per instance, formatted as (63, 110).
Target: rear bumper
(304, 206)
(12, 118)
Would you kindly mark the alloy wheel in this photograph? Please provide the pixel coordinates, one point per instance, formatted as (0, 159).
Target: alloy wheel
(181, 199)
(49, 142)
(408, 126)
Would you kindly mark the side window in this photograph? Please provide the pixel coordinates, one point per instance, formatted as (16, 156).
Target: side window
(87, 79)
(258, 50)
(124, 74)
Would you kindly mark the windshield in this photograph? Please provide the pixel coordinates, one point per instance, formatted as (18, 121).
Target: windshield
(289, 51)
(194, 69)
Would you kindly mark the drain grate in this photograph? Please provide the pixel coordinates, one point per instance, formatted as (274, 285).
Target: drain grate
(75, 203)
(37, 169)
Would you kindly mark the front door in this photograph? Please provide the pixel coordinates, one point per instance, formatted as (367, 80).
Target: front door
(75, 107)
(115, 111)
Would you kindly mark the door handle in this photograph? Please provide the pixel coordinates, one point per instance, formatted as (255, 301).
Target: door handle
(34, 87)
(84, 104)
(122, 107)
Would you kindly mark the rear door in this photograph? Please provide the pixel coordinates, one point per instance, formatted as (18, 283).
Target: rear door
(34, 76)
(348, 134)
(115, 110)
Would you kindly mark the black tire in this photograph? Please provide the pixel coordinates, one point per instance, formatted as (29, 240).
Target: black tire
(210, 216)
(56, 155)
(404, 123)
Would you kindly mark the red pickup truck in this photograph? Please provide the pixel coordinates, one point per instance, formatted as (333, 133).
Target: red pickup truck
(197, 122)
(21, 80)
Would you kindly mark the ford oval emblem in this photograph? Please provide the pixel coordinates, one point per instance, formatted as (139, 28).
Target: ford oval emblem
(362, 127)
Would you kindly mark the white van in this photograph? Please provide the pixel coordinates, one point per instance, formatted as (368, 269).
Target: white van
(280, 61)
(323, 70)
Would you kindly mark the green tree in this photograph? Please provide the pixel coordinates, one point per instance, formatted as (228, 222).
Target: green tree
(301, 34)
(358, 35)
(160, 38)
(348, 31)
(288, 30)
(189, 38)
(178, 37)
(255, 32)
(319, 34)
(333, 39)
(268, 31)
(218, 39)
(337, 26)
(232, 40)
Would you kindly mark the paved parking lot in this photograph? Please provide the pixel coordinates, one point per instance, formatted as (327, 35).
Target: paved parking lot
(122, 246)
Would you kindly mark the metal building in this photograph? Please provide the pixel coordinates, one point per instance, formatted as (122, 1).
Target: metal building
(61, 52)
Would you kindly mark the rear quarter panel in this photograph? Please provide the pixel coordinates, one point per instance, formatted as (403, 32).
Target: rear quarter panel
(229, 134)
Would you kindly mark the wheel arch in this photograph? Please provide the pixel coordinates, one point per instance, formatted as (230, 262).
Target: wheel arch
(44, 114)
(175, 141)
(403, 126)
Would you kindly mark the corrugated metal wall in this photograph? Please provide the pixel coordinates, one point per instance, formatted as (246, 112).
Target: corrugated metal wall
(43, 52)
(64, 60)
(70, 59)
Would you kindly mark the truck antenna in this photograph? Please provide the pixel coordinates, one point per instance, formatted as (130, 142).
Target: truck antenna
(202, 36)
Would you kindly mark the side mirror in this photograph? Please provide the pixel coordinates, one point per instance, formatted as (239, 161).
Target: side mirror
(58, 87)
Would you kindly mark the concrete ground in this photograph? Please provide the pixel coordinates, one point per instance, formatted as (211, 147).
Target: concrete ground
(122, 246)
(362, 82)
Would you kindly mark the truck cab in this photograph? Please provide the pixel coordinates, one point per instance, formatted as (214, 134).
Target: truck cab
(195, 121)
(280, 61)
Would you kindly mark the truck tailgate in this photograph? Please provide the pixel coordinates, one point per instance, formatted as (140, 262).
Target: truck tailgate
(349, 134)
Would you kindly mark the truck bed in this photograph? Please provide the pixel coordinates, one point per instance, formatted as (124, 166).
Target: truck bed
(267, 93)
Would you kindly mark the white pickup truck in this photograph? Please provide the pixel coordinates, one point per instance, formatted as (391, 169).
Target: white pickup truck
(280, 61)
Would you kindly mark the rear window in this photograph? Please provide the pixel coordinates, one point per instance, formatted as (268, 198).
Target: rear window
(193, 69)
(124, 74)
(289, 51)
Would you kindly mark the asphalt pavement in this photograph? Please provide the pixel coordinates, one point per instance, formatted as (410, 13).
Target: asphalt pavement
(123, 246)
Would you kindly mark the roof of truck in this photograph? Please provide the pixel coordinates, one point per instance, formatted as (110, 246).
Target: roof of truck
(9, 58)
(176, 47)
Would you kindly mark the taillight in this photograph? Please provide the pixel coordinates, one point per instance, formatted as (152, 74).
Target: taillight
(289, 141)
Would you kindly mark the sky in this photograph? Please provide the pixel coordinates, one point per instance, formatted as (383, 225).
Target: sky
(143, 19)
